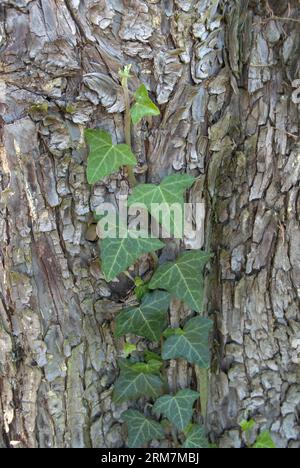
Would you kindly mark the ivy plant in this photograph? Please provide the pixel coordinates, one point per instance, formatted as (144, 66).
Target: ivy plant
(143, 105)
(141, 429)
(120, 252)
(190, 342)
(195, 438)
(148, 320)
(263, 440)
(183, 279)
(142, 373)
(178, 408)
(169, 195)
(137, 380)
(104, 157)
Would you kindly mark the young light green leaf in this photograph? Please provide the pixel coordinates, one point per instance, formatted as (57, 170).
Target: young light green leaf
(178, 408)
(143, 105)
(104, 157)
(125, 75)
(152, 366)
(246, 426)
(183, 279)
(195, 438)
(117, 254)
(264, 441)
(141, 430)
(136, 381)
(141, 288)
(169, 194)
(148, 320)
(129, 349)
(192, 344)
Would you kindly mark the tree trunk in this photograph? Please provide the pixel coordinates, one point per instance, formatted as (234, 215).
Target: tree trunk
(222, 73)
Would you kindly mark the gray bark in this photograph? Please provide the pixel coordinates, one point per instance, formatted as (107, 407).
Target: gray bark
(222, 73)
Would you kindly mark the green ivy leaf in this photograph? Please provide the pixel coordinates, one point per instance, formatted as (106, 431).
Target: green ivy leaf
(104, 157)
(141, 430)
(172, 331)
(168, 193)
(141, 288)
(137, 380)
(195, 438)
(264, 441)
(148, 320)
(192, 344)
(183, 278)
(153, 366)
(129, 349)
(246, 426)
(143, 105)
(178, 408)
(117, 254)
(151, 356)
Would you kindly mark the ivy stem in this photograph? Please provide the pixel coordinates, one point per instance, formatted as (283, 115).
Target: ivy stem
(124, 81)
(174, 436)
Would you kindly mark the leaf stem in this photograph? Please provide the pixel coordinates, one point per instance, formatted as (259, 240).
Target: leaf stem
(125, 75)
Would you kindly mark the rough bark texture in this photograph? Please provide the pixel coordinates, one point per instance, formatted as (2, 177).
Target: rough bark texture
(221, 72)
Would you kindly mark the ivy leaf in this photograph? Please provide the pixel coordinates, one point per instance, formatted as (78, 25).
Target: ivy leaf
(136, 381)
(129, 349)
(168, 193)
(183, 278)
(117, 254)
(141, 288)
(195, 438)
(153, 366)
(178, 408)
(104, 157)
(151, 356)
(247, 426)
(148, 320)
(191, 344)
(264, 441)
(141, 430)
(143, 105)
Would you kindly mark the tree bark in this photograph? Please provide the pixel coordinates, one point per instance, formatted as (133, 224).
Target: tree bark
(222, 73)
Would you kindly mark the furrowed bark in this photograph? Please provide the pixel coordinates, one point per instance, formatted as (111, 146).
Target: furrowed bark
(253, 190)
(222, 75)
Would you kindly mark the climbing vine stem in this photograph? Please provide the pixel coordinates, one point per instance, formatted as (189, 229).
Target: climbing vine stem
(125, 76)
(142, 373)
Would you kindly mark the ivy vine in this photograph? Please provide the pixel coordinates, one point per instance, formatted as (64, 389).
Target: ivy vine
(182, 279)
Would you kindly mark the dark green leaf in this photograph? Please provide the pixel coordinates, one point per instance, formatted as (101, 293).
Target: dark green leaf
(143, 105)
(169, 192)
(178, 408)
(104, 157)
(148, 320)
(117, 253)
(192, 344)
(195, 438)
(136, 381)
(141, 430)
(183, 278)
